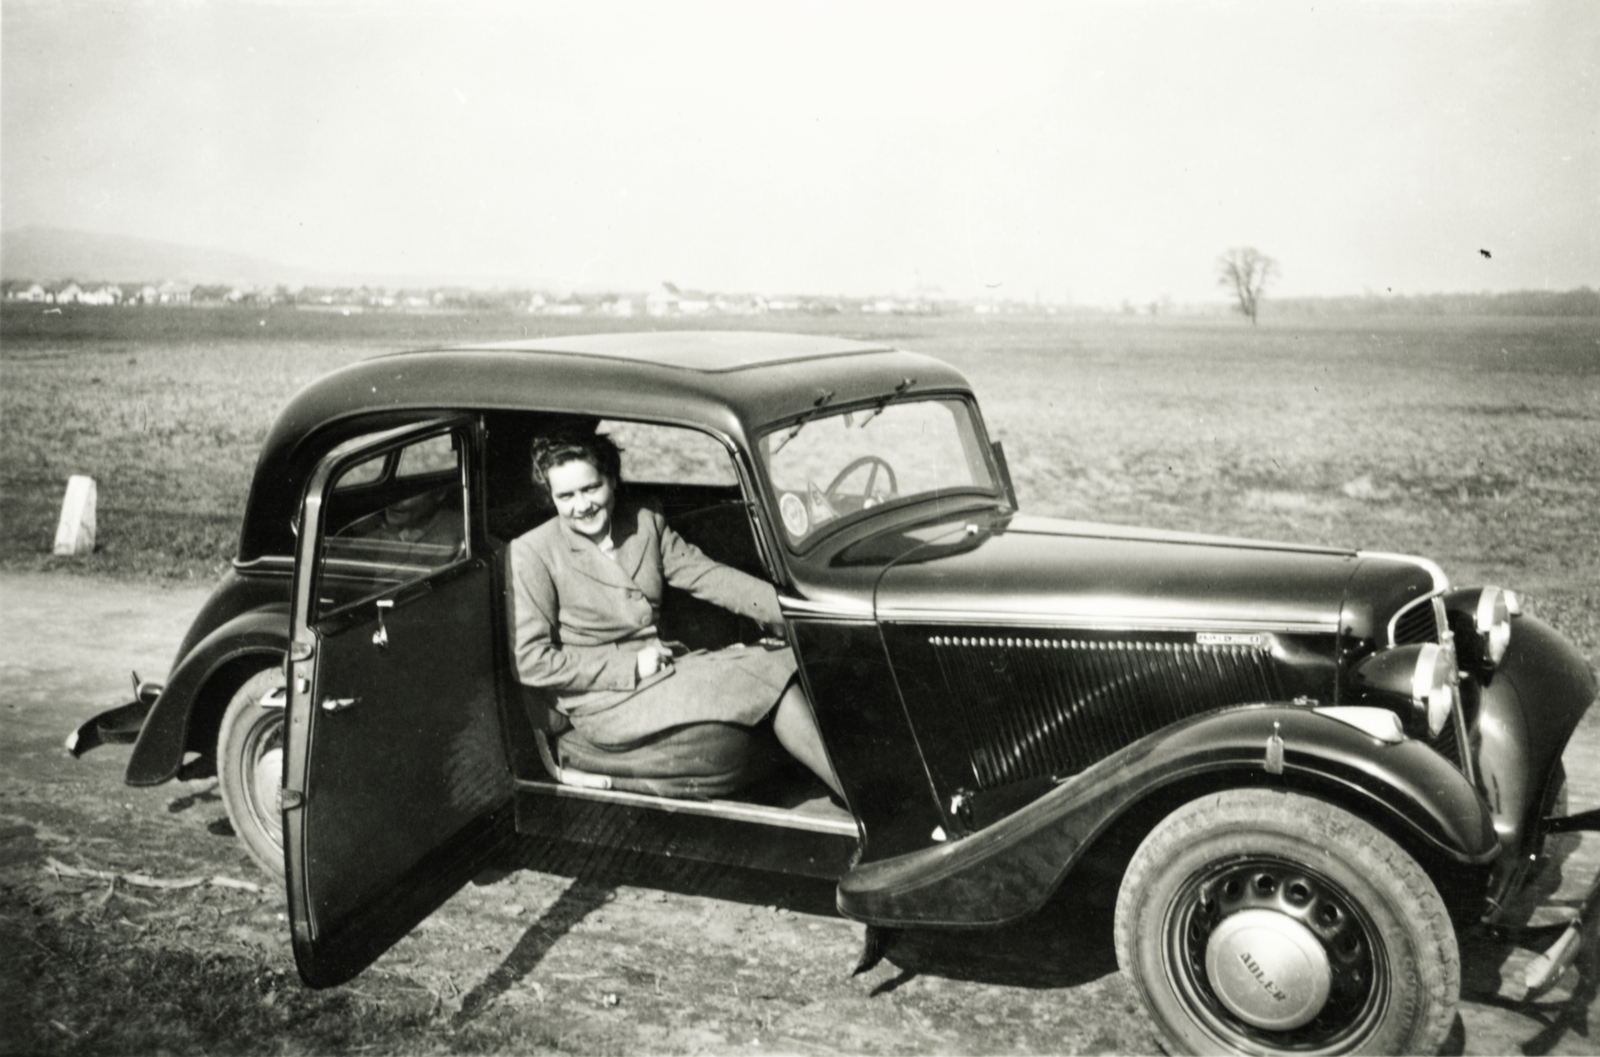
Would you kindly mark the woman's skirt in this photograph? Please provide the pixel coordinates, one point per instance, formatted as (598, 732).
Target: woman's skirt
(740, 684)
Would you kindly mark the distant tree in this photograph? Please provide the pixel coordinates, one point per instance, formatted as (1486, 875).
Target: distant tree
(1245, 271)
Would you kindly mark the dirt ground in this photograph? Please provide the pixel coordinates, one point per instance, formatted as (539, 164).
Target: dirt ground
(575, 952)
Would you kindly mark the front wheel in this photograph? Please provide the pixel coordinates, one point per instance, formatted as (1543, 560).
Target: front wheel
(1259, 921)
(250, 767)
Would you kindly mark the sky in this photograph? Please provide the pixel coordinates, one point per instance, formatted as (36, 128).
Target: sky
(1084, 152)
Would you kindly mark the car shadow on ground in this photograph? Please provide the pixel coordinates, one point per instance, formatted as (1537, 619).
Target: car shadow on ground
(1068, 943)
(1493, 959)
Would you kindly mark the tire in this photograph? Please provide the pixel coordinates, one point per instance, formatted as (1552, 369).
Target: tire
(250, 769)
(1260, 921)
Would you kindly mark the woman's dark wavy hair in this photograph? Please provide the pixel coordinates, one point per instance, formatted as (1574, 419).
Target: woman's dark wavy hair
(596, 449)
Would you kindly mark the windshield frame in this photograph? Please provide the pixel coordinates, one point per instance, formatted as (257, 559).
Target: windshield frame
(763, 437)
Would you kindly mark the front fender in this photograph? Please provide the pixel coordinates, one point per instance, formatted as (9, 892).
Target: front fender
(163, 739)
(1527, 710)
(1007, 870)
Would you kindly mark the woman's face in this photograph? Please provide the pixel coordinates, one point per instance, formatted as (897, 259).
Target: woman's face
(583, 498)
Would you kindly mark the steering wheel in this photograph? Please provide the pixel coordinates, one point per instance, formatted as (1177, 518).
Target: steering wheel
(877, 463)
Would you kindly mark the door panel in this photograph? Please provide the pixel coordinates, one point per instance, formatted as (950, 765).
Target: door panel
(396, 784)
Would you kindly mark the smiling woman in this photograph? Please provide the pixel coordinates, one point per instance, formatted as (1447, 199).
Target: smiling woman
(588, 588)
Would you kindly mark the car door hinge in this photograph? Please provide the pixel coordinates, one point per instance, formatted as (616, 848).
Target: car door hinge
(289, 799)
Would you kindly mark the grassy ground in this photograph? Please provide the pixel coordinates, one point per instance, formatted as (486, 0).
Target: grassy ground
(1473, 441)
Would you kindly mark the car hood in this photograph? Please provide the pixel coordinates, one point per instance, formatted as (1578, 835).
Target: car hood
(1022, 571)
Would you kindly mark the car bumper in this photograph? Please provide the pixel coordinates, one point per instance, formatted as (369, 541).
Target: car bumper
(116, 726)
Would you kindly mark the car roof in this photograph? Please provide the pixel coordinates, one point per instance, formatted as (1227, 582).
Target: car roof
(730, 382)
(696, 350)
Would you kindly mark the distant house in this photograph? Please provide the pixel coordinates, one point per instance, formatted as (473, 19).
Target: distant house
(27, 291)
(66, 293)
(104, 294)
(740, 304)
(175, 293)
(662, 302)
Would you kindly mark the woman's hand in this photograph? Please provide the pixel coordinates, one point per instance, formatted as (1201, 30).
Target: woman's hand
(652, 659)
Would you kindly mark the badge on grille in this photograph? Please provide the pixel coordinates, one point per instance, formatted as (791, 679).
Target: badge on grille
(1210, 638)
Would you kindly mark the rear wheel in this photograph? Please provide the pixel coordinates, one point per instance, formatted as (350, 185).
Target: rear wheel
(1258, 921)
(250, 767)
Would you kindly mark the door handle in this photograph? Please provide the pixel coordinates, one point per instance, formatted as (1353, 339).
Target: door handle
(380, 638)
(338, 704)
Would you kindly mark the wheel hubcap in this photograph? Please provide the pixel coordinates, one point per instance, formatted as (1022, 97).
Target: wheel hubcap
(1269, 954)
(266, 776)
(1268, 968)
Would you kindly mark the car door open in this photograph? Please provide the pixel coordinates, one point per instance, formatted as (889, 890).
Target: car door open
(396, 787)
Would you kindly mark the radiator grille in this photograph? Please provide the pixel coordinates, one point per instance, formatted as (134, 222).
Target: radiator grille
(1447, 744)
(1422, 622)
(1040, 707)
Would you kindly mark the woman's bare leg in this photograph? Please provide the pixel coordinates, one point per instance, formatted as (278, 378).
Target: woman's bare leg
(796, 727)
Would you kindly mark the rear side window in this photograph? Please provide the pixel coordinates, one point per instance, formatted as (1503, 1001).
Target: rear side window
(363, 473)
(670, 455)
(382, 536)
(432, 456)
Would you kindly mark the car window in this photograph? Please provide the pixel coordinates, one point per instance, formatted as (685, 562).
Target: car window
(362, 472)
(434, 455)
(670, 454)
(409, 528)
(837, 467)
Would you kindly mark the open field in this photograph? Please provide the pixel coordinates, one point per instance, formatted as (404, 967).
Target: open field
(1473, 441)
(1476, 442)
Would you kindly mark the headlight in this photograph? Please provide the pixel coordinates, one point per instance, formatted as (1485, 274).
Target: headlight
(1433, 683)
(1418, 682)
(1493, 622)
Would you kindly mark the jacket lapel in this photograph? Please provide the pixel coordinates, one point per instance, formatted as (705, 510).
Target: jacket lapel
(631, 543)
(619, 570)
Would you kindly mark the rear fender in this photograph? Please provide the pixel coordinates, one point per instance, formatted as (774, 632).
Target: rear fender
(1007, 870)
(187, 697)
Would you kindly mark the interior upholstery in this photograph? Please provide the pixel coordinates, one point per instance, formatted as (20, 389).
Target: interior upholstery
(697, 761)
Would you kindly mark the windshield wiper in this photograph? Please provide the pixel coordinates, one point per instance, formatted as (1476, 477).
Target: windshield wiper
(899, 391)
(821, 402)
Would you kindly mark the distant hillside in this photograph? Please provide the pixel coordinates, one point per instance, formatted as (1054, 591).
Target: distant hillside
(48, 254)
(51, 254)
(1583, 301)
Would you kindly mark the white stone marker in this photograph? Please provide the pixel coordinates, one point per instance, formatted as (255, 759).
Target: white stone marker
(75, 534)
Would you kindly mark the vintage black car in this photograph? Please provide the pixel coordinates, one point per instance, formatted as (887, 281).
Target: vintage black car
(1327, 760)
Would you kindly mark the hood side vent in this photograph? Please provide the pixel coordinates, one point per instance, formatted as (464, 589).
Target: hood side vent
(1042, 707)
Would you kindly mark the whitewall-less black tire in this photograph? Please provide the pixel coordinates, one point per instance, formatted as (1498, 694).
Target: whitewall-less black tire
(250, 768)
(1262, 921)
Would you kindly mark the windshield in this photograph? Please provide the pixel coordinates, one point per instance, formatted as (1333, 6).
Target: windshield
(838, 466)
